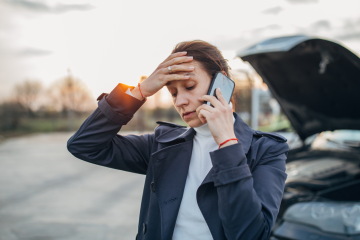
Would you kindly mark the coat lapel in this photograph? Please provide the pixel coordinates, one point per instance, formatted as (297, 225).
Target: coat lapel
(170, 167)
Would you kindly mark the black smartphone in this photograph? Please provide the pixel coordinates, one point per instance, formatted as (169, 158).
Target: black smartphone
(225, 84)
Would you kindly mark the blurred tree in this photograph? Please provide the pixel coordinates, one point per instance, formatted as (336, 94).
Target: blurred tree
(70, 93)
(27, 93)
(72, 96)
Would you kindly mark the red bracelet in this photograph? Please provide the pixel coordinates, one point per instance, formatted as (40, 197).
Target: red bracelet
(228, 141)
(140, 91)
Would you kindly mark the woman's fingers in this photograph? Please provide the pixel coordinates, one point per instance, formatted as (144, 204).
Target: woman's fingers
(221, 97)
(203, 115)
(213, 100)
(177, 60)
(174, 55)
(201, 111)
(205, 107)
(173, 77)
(216, 102)
(177, 68)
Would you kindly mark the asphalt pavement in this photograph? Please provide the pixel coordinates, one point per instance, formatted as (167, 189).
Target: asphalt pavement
(47, 194)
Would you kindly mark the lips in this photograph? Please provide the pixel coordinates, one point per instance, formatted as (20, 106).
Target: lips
(188, 114)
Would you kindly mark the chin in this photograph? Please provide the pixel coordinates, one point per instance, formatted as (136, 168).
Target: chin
(194, 122)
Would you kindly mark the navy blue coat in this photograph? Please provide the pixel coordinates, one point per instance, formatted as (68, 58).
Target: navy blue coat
(240, 196)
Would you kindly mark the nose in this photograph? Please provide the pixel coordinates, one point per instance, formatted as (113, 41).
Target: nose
(181, 100)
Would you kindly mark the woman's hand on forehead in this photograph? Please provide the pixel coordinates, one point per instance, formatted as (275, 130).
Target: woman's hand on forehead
(175, 67)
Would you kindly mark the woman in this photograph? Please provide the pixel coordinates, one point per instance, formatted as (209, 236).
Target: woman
(218, 179)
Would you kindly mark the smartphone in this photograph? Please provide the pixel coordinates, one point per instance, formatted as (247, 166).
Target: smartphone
(225, 84)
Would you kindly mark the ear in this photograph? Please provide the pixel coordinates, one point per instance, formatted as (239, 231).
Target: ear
(223, 72)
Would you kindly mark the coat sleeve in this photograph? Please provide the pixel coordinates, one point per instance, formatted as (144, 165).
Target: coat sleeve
(249, 202)
(97, 140)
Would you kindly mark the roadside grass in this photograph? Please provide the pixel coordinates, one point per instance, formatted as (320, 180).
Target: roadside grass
(49, 125)
(41, 125)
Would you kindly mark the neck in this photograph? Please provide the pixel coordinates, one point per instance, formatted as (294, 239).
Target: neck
(203, 130)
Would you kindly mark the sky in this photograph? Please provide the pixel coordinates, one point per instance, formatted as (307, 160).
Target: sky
(108, 42)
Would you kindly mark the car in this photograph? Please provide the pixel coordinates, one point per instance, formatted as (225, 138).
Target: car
(317, 84)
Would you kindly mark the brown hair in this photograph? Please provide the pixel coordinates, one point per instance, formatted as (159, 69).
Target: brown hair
(208, 55)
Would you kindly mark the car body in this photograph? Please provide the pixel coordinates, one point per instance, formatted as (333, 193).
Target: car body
(317, 84)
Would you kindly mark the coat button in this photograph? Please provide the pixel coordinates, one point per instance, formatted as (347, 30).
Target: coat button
(144, 228)
(152, 186)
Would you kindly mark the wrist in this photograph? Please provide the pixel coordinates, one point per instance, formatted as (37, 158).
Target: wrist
(229, 143)
(225, 137)
(137, 94)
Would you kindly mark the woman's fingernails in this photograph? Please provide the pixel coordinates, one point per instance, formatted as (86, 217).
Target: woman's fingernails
(219, 89)
(187, 76)
(191, 68)
(189, 58)
(184, 52)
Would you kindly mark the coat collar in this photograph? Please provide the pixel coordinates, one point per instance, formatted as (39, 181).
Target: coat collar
(186, 134)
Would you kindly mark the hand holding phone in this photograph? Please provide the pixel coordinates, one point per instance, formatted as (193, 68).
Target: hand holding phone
(220, 119)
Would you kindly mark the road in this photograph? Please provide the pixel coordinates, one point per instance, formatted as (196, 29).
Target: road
(47, 194)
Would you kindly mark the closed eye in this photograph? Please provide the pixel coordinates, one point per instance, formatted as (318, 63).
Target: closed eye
(188, 88)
